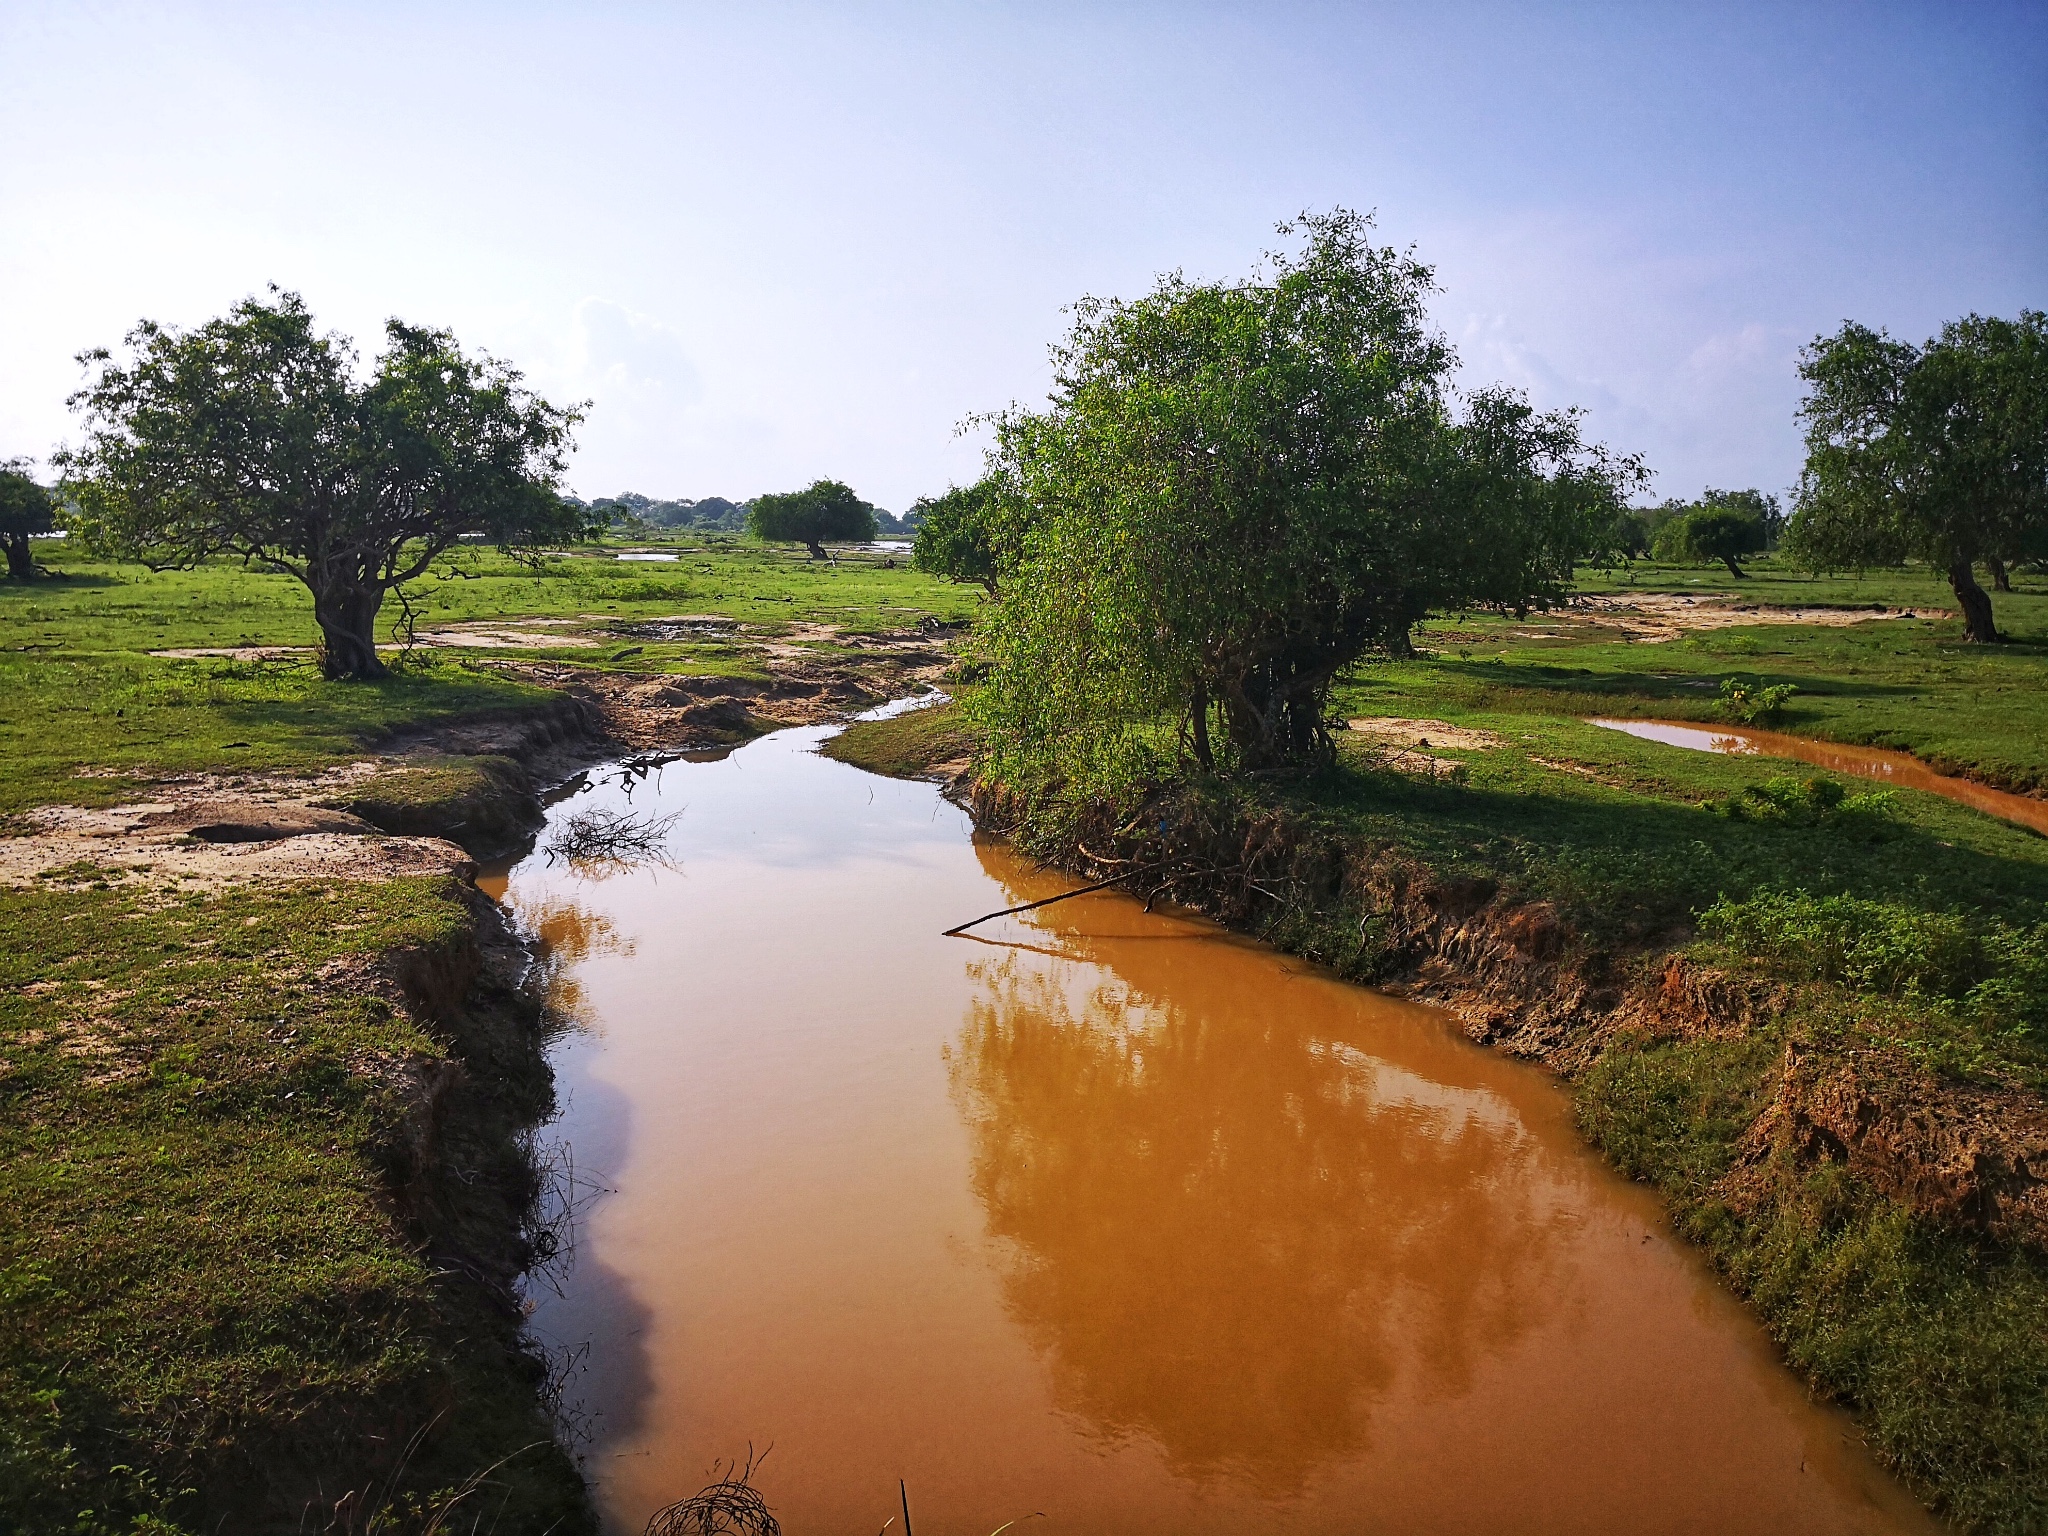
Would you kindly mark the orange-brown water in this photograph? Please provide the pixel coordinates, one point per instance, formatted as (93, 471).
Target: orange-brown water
(1896, 768)
(1102, 1214)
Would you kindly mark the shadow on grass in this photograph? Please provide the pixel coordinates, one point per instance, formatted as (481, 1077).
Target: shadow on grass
(368, 711)
(1630, 866)
(54, 576)
(1548, 685)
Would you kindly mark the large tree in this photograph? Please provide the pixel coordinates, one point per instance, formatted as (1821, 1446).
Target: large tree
(253, 437)
(972, 533)
(26, 509)
(824, 510)
(1239, 489)
(1722, 525)
(1937, 453)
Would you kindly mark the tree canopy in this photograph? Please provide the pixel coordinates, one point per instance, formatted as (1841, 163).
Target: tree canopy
(1936, 453)
(972, 533)
(1239, 489)
(1722, 526)
(26, 509)
(825, 510)
(252, 437)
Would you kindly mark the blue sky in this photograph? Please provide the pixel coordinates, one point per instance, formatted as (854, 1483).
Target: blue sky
(773, 242)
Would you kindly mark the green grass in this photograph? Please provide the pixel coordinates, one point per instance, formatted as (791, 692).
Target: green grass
(99, 606)
(204, 1132)
(80, 691)
(1907, 684)
(114, 716)
(904, 746)
(1934, 1335)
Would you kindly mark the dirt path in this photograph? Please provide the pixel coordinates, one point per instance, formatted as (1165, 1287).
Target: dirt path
(1654, 617)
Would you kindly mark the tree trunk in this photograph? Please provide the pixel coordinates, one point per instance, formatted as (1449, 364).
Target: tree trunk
(2001, 581)
(1733, 569)
(1975, 603)
(347, 616)
(1199, 708)
(21, 561)
(817, 551)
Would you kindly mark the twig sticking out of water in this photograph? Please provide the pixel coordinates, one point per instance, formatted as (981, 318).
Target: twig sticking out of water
(599, 837)
(729, 1507)
(1142, 869)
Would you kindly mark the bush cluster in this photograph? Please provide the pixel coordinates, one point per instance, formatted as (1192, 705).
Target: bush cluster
(1991, 972)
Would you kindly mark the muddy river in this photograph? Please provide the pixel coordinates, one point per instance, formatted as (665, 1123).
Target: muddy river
(1899, 769)
(1105, 1219)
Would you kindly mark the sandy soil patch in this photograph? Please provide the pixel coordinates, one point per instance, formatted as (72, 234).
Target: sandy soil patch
(1653, 617)
(527, 635)
(1423, 734)
(201, 832)
(71, 849)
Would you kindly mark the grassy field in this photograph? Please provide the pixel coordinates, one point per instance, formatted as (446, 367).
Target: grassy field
(79, 688)
(206, 1293)
(1905, 937)
(1905, 683)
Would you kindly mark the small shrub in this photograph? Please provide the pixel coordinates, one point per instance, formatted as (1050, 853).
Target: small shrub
(1806, 802)
(1746, 700)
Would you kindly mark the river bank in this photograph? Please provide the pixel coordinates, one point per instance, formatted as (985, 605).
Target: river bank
(271, 1065)
(1861, 1155)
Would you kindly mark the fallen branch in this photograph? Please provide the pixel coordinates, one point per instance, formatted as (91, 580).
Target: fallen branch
(601, 837)
(1048, 901)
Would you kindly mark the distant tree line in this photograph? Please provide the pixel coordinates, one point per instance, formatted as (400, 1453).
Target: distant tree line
(715, 514)
(629, 510)
(1721, 528)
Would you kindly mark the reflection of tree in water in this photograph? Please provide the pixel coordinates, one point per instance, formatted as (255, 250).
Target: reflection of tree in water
(1225, 1230)
(564, 935)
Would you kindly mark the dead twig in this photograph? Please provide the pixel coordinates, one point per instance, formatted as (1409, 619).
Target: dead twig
(1029, 906)
(731, 1506)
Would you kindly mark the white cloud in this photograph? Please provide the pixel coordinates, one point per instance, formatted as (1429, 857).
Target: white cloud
(620, 348)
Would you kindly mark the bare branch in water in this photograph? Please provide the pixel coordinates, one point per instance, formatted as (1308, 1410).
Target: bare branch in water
(598, 839)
